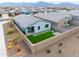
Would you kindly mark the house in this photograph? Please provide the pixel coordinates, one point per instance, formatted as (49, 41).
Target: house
(30, 24)
(25, 11)
(4, 14)
(29, 12)
(75, 17)
(17, 12)
(74, 12)
(57, 18)
(40, 22)
(14, 13)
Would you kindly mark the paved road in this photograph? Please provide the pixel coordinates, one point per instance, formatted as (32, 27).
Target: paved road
(2, 41)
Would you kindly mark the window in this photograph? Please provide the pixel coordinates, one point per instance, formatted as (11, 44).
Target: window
(28, 28)
(47, 25)
(38, 27)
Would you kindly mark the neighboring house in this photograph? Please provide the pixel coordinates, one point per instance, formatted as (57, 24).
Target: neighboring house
(40, 22)
(25, 12)
(29, 12)
(61, 10)
(58, 19)
(17, 12)
(14, 13)
(29, 24)
(4, 14)
(75, 16)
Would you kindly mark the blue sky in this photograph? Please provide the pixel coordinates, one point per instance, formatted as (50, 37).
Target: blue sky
(55, 1)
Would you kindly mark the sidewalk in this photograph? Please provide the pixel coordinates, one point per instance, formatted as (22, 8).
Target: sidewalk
(3, 52)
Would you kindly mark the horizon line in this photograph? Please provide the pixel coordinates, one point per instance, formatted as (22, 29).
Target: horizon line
(55, 2)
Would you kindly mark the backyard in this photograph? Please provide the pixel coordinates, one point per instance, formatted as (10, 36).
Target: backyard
(40, 37)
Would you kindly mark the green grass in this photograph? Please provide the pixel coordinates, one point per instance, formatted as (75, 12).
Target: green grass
(40, 37)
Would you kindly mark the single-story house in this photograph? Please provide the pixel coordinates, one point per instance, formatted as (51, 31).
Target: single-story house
(25, 11)
(41, 21)
(4, 14)
(14, 12)
(58, 18)
(29, 12)
(30, 24)
(75, 16)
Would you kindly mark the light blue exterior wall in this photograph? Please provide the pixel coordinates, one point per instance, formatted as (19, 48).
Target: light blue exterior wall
(42, 26)
(39, 23)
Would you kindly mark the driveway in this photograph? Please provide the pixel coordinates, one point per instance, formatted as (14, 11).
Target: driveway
(3, 52)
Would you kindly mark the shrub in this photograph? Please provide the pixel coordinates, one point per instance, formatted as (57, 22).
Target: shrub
(10, 31)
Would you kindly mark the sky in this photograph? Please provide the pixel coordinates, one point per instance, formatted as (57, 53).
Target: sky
(55, 1)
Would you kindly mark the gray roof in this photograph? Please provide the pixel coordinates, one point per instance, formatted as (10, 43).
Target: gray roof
(25, 20)
(12, 11)
(53, 16)
(74, 12)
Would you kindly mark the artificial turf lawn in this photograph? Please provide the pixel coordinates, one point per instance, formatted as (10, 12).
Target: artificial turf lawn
(41, 37)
